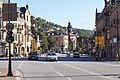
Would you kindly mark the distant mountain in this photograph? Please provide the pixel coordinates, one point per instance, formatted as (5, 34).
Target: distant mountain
(83, 31)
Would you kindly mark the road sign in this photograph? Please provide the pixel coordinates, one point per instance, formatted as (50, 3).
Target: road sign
(10, 38)
(99, 40)
(9, 12)
(9, 26)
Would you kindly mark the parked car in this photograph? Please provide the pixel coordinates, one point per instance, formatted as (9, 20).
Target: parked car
(75, 55)
(2, 55)
(33, 56)
(51, 56)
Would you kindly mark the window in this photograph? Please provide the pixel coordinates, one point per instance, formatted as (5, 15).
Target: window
(22, 27)
(27, 38)
(18, 38)
(22, 37)
(27, 18)
(2, 36)
(15, 24)
(15, 37)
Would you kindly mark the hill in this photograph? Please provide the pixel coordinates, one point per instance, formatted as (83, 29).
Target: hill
(43, 24)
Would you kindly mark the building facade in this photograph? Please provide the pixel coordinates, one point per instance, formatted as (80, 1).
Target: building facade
(22, 28)
(108, 25)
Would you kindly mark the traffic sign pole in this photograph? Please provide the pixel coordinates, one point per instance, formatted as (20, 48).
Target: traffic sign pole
(10, 64)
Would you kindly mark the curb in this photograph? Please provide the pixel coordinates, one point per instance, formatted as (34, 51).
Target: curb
(16, 74)
(20, 74)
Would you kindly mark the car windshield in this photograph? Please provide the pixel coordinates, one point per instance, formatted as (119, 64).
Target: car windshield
(75, 53)
(33, 53)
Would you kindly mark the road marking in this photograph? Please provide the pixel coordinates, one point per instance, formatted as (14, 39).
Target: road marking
(68, 78)
(50, 67)
(60, 74)
(90, 72)
(63, 75)
(20, 65)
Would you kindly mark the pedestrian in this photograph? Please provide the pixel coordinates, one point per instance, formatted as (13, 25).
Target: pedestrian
(100, 56)
(97, 56)
(6, 54)
(117, 58)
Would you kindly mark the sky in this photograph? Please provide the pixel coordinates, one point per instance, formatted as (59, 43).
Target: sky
(81, 13)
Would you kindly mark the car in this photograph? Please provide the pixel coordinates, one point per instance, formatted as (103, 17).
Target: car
(33, 56)
(2, 55)
(76, 55)
(51, 56)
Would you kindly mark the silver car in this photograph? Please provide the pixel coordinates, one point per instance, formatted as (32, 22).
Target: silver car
(51, 56)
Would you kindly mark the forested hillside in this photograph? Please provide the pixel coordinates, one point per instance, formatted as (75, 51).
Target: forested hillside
(42, 23)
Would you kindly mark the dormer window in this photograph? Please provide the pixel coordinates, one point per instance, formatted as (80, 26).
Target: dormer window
(18, 15)
(27, 18)
(22, 16)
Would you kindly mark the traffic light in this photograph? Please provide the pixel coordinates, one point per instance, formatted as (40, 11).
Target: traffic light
(10, 37)
(113, 2)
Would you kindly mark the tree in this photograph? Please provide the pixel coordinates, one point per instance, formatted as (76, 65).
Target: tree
(51, 42)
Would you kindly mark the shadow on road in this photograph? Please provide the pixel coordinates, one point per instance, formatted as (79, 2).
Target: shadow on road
(88, 59)
(69, 76)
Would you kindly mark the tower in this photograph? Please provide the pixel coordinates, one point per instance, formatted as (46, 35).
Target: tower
(69, 28)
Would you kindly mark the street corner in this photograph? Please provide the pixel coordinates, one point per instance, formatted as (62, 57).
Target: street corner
(16, 74)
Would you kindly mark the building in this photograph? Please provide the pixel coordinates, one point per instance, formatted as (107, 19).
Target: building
(22, 28)
(107, 25)
(61, 42)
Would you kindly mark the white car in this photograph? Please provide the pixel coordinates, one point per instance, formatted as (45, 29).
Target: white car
(51, 56)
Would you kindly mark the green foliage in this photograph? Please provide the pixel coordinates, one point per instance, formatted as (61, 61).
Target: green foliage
(51, 42)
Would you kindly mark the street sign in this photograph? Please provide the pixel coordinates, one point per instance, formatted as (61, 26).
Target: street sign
(9, 12)
(99, 40)
(9, 26)
(10, 39)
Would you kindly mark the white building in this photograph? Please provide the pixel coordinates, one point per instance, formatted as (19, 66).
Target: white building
(21, 29)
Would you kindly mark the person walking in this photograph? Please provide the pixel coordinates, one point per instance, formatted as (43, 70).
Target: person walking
(117, 58)
(97, 56)
(6, 54)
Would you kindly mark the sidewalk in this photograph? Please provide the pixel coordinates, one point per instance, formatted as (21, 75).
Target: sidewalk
(4, 71)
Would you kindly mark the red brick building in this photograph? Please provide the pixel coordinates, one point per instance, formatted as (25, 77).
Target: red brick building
(108, 25)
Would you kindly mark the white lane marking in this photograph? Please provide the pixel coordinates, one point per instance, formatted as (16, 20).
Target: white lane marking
(63, 76)
(68, 78)
(20, 65)
(50, 67)
(60, 74)
(90, 72)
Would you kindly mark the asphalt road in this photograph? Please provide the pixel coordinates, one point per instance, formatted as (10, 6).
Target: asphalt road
(66, 70)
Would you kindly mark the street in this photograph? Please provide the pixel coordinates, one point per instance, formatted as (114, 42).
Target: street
(66, 70)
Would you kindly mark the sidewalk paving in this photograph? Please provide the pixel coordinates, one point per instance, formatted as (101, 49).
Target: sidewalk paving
(4, 71)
